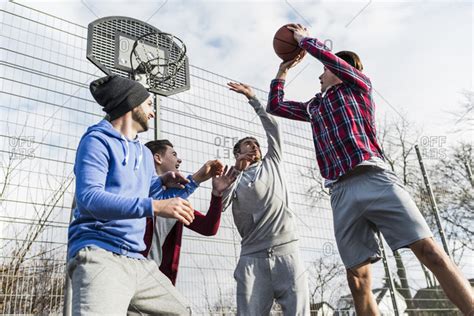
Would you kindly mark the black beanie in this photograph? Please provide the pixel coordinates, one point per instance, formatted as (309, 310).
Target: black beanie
(118, 95)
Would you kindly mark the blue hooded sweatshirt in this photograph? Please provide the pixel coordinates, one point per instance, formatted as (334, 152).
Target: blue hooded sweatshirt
(116, 182)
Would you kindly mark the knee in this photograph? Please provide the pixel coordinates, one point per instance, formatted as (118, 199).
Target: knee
(433, 256)
(359, 283)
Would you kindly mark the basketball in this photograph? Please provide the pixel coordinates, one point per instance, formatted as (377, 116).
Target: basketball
(285, 45)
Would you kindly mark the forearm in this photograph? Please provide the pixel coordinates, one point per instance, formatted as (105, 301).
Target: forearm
(276, 105)
(108, 206)
(287, 109)
(92, 198)
(189, 189)
(208, 224)
(227, 195)
(336, 65)
(281, 74)
(270, 125)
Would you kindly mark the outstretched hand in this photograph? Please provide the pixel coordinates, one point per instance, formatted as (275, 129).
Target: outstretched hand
(224, 181)
(210, 169)
(241, 88)
(173, 179)
(286, 65)
(299, 31)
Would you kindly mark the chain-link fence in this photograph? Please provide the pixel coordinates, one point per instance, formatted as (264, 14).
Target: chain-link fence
(45, 108)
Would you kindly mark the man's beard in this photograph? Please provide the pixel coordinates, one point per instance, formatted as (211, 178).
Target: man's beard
(139, 116)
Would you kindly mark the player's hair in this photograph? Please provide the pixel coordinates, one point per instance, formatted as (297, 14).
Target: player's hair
(237, 145)
(351, 58)
(158, 146)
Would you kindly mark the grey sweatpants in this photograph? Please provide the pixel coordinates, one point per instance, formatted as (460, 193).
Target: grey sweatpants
(106, 283)
(276, 273)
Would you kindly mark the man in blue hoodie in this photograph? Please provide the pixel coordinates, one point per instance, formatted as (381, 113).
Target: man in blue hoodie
(116, 189)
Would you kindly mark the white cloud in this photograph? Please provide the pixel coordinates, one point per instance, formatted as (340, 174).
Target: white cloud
(418, 54)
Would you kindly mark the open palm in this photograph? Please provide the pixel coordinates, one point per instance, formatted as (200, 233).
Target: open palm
(223, 182)
(241, 88)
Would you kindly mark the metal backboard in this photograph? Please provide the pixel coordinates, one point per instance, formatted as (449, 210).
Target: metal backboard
(109, 44)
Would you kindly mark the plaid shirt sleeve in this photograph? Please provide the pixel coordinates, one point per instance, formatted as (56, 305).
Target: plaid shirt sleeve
(287, 109)
(338, 66)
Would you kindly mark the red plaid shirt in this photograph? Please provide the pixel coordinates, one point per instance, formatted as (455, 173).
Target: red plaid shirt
(342, 119)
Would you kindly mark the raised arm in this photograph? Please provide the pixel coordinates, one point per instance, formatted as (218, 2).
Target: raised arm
(288, 109)
(225, 185)
(270, 125)
(336, 65)
(277, 105)
(228, 193)
(208, 224)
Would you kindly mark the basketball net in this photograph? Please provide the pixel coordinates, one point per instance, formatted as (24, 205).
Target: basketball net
(153, 67)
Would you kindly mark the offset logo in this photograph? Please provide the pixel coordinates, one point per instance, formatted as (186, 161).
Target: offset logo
(433, 147)
(224, 146)
(329, 249)
(22, 147)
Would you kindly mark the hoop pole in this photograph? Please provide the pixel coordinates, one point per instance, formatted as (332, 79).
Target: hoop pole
(157, 101)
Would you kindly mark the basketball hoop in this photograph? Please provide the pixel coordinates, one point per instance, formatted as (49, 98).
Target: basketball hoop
(137, 50)
(152, 65)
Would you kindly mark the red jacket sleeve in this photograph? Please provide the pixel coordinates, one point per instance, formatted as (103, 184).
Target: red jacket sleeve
(208, 224)
(338, 66)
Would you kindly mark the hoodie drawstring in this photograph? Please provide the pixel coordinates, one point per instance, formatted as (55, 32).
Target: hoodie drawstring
(257, 172)
(140, 156)
(126, 151)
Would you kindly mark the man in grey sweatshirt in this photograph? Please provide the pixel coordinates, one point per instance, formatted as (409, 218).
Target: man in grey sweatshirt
(269, 266)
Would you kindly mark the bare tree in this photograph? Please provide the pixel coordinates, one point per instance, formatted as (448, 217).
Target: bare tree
(316, 191)
(464, 117)
(18, 268)
(453, 187)
(397, 138)
(325, 274)
(224, 305)
(42, 277)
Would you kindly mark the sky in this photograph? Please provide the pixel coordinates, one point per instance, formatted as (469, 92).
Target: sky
(418, 54)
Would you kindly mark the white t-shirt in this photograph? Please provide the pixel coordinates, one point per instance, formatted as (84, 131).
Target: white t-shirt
(372, 161)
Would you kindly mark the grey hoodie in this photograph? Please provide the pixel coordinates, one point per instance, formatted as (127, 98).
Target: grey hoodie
(259, 197)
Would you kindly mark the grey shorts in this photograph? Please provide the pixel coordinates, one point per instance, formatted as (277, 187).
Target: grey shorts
(366, 202)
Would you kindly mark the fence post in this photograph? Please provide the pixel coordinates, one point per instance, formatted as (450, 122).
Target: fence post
(469, 173)
(388, 275)
(434, 206)
(67, 305)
